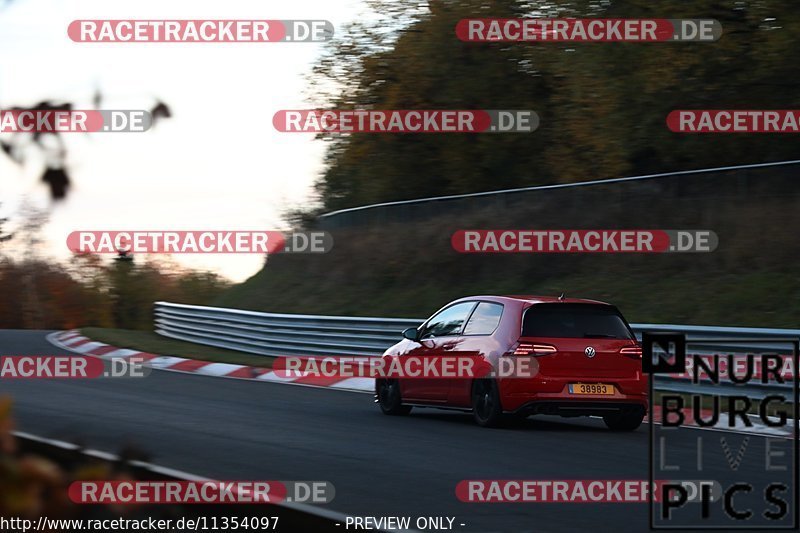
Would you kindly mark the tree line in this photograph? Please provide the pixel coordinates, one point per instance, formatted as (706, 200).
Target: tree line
(602, 106)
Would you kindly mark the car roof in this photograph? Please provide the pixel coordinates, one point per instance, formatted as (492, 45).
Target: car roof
(534, 299)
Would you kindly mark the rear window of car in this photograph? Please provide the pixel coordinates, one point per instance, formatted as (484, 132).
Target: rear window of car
(575, 321)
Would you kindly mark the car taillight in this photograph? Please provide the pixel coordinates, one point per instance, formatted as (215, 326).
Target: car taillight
(632, 351)
(535, 349)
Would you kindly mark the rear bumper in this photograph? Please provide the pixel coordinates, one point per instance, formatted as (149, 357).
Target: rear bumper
(581, 407)
(552, 396)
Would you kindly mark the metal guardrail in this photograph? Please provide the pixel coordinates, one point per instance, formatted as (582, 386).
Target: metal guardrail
(275, 334)
(279, 334)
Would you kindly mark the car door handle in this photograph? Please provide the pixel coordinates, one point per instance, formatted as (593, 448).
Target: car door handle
(448, 346)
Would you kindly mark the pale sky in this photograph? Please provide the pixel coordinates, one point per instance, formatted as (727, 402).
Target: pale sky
(216, 164)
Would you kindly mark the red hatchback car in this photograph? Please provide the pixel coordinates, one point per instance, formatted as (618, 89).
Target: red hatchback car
(588, 361)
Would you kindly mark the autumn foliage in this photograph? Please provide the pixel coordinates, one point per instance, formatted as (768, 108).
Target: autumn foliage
(89, 291)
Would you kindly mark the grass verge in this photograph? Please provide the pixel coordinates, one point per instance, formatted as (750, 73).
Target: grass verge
(148, 341)
(410, 269)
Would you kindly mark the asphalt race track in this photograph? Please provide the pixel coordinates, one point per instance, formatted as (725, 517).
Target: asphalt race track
(232, 429)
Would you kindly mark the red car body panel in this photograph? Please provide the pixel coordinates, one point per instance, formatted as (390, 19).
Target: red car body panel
(548, 391)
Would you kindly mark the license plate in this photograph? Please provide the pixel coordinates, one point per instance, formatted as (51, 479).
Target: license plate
(602, 389)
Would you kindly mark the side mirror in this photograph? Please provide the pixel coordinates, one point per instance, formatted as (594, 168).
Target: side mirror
(411, 334)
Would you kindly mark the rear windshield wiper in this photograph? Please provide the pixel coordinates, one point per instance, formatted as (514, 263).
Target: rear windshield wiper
(599, 336)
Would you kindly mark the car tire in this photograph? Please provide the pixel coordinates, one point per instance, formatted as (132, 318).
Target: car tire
(486, 408)
(624, 421)
(389, 400)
